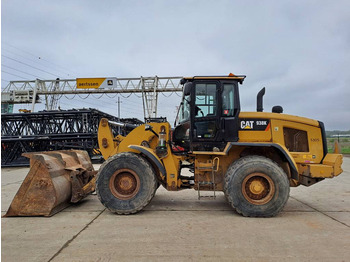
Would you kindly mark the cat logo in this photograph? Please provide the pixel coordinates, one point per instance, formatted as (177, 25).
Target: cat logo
(247, 124)
(250, 124)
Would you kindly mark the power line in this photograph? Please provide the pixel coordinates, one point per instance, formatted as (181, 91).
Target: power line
(114, 110)
(35, 56)
(32, 60)
(29, 65)
(13, 74)
(19, 71)
(125, 102)
(130, 109)
(94, 104)
(129, 101)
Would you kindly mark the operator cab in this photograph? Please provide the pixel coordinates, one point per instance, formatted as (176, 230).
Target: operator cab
(208, 114)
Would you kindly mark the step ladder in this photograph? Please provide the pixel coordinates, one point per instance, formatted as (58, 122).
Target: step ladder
(214, 168)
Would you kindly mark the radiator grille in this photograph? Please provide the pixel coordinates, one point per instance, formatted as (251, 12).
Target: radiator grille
(295, 140)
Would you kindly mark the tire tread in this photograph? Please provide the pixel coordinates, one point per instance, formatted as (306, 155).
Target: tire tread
(234, 168)
(148, 170)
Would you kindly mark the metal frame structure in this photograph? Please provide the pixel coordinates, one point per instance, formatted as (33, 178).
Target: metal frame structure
(51, 130)
(17, 92)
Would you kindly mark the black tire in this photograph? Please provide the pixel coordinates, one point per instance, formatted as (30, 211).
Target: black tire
(256, 186)
(126, 183)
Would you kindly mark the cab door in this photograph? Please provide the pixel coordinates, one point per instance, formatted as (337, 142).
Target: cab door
(230, 108)
(205, 115)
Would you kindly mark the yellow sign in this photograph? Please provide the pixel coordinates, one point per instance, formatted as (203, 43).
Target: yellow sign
(85, 83)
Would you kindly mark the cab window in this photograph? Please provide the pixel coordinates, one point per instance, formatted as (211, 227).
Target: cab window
(205, 103)
(184, 112)
(228, 100)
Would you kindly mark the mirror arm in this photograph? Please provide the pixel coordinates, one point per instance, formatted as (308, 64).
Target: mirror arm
(150, 128)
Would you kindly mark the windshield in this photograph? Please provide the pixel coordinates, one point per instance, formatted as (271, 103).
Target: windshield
(184, 110)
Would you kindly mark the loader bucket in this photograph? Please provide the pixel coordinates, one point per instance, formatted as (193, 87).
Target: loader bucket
(55, 179)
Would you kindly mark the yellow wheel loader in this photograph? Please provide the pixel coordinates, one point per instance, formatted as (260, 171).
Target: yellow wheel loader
(253, 157)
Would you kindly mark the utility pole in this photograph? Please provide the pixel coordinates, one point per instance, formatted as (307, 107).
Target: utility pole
(118, 107)
(119, 113)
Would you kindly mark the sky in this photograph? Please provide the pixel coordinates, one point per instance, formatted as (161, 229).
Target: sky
(298, 50)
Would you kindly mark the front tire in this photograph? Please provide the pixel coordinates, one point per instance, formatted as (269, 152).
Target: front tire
(126, 183)
(256, 186)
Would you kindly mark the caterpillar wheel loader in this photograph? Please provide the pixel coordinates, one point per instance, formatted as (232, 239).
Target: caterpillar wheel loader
(253, 157)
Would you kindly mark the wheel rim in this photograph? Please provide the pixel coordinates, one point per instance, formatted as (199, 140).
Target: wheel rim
(258, 188)
(124, 184)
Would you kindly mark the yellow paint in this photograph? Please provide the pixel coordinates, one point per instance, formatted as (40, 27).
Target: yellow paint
(334, 160)
(256, 187)
(136, 137)
(105, 133)
(283, 117)
(86, 83)
(307, 163)
(254, 136)
(319, 170)
(330, 167)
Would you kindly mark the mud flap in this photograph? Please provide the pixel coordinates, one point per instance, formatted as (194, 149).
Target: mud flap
(55, 179)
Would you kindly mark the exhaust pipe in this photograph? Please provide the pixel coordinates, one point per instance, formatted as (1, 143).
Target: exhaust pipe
(259, 102)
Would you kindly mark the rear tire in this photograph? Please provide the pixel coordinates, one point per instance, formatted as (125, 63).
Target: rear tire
(126, 183)
(256, 186)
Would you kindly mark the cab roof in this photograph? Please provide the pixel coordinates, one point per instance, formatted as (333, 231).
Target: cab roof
(239, 78)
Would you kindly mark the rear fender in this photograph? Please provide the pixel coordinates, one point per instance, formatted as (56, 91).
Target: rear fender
(281, 149)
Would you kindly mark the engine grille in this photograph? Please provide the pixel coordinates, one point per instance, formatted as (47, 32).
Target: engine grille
(295, 140)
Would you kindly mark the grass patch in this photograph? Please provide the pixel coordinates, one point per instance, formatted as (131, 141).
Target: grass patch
(345, 150)
(343, 142)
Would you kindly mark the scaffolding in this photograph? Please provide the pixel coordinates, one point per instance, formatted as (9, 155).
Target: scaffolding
(52, 130)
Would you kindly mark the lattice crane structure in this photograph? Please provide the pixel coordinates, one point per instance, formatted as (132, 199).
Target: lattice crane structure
(19, 92)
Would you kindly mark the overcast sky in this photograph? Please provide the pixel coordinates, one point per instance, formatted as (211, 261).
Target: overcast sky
(298, 50)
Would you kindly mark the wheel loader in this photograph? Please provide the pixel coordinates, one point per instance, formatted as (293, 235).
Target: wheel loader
(253, 157)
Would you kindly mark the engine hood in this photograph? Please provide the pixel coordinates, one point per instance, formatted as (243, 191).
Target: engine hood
(286, 117)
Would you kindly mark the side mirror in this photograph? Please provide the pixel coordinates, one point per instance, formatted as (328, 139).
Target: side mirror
(187, 88)
(150, 128)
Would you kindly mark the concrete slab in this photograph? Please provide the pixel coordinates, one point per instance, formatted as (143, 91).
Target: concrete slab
(39, 238)
(8, 192)
(186, 200)
(330, 194)
(13, 175)
(203, 235)
(342, 217)
(89, 204)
